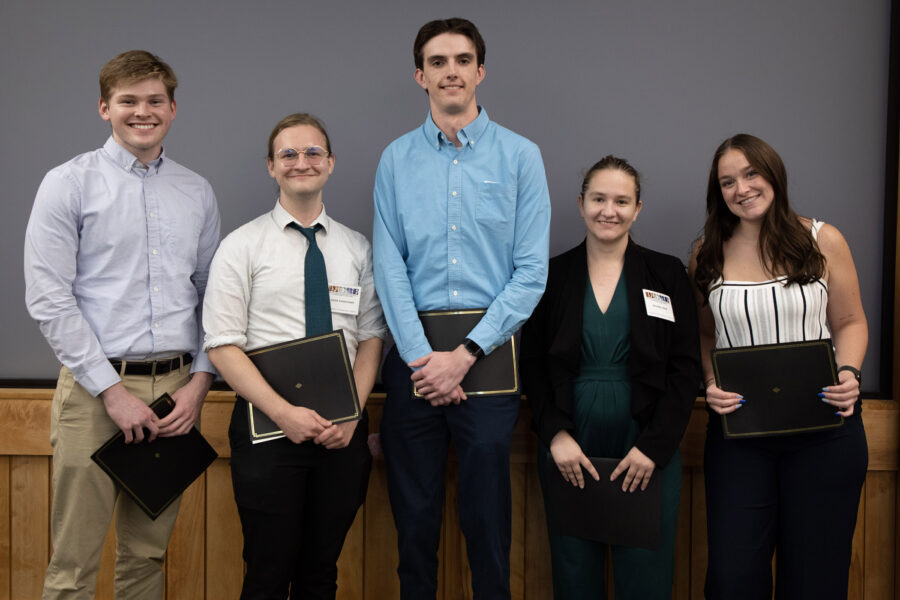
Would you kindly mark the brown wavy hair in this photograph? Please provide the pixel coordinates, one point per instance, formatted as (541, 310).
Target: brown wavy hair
(785, 245)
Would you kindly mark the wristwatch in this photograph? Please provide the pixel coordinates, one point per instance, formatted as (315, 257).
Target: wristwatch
(473, 348)
(853, 370)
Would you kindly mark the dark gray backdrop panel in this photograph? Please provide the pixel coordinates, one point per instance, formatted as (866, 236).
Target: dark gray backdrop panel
(659, 82)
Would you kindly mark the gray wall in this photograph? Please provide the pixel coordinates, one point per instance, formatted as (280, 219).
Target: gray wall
(659, 82)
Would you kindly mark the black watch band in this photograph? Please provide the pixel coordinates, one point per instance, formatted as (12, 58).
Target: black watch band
(853, 370)
(473, 348)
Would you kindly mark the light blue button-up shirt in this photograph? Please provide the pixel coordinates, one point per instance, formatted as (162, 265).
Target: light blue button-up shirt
(460, 228)
(116, 261)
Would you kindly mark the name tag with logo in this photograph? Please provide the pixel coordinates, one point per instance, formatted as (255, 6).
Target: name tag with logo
(658, 305)
(344, 298)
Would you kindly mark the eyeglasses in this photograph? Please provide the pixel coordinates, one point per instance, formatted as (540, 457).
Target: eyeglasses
(314, 155)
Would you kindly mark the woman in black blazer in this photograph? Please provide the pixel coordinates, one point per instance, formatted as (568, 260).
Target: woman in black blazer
(611, 366)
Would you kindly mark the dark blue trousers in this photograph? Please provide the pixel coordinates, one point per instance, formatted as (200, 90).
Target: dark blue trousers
(415, 437)
(798, 493)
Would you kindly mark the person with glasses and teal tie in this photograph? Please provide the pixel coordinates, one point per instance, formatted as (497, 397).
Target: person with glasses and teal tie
(269, 282)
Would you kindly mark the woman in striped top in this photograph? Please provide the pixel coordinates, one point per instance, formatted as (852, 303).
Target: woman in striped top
(764, 275)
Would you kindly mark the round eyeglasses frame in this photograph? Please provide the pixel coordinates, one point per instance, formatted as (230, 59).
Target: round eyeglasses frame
(314, 155)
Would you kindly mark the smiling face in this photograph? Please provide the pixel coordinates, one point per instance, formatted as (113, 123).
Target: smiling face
(747, 194)
(609, 205)
(140, 114)
(450, 73)
(300, 180)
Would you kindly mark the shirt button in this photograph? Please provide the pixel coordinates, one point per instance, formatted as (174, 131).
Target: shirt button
(454, 193)
(453, 227)
(456, 292)
(155, 288)
(156, 325)
(155, 251)
(152, 214)
(472, 143)
(455, 161)
(454, 261)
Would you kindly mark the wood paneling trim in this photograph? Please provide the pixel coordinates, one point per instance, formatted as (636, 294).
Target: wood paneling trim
(204, 559)
(25, 428)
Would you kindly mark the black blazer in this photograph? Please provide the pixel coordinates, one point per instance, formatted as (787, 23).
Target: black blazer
(664, 363)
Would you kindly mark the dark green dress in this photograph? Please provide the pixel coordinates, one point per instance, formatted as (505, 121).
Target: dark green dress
(604, 427)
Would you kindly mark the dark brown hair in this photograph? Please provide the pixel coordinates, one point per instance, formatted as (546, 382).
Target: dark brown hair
(292, 121)
(133, 66)
(786, 247)
(613, 162)
(454, 25)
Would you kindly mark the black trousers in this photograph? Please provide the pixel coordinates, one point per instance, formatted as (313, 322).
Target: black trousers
(296, 503)
(798, 493)
(416, 437)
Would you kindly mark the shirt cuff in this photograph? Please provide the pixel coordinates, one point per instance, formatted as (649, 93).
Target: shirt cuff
(202, 364)
(488, 338)
(415, 352)
(97, 377)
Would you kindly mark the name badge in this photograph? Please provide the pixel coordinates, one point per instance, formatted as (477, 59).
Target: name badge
(344, 299)
(658, 305)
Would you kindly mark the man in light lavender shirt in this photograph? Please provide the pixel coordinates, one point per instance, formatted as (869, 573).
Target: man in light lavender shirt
(117, 254)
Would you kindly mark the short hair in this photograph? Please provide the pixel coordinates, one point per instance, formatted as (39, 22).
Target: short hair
(292, 121)
(133, 66)
(455, 25)
(618, 164)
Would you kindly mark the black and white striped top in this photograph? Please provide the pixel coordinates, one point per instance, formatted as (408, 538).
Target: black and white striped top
(769, 312)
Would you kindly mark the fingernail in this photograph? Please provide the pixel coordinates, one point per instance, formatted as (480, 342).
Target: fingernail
(740, 397)
(820, 395)
(837, 414)
(742, 401)
(825, 400)
(825, 389)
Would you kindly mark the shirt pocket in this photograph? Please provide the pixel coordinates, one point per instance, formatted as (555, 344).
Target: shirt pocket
(496, 205)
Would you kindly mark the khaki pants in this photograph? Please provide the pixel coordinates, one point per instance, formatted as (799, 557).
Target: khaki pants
(85, 498)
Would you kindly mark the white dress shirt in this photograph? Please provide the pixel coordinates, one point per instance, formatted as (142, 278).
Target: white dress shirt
(255, 293)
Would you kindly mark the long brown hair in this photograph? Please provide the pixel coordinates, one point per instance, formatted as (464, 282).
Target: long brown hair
(786, 247)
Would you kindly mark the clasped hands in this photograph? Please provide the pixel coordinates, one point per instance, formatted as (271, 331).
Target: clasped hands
(132, 416)
(842, 396)
(302, 424)
(439, 374)
(570, 460)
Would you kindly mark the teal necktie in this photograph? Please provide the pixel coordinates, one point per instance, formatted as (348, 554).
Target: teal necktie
(318, 306)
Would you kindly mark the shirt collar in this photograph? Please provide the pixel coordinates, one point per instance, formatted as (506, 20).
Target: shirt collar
(283, 217)
(126, 159)
(468, 135)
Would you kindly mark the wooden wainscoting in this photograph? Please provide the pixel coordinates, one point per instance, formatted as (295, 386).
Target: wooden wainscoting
(204, 558)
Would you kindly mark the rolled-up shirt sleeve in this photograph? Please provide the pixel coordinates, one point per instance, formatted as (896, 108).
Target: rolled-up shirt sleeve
(227, 297)
(370, 322)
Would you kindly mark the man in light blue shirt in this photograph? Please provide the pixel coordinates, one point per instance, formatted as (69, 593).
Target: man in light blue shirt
(462, 217)
(117, 253)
